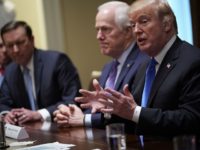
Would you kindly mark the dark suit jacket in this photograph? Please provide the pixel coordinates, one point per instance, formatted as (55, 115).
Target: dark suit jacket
(174, 104)
(56, 82)
(127, 76)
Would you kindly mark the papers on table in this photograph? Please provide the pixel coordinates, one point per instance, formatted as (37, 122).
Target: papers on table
(49, 146)
(23, 143)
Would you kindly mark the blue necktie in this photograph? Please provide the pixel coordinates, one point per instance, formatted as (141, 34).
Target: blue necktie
(29, 87)
(149, 78)
(112, 75)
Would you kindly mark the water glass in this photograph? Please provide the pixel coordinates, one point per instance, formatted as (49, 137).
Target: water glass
(185, 142)
(2, 134)
(116, 136)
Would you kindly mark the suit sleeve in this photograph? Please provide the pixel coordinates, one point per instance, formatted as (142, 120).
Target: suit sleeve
(67, 78)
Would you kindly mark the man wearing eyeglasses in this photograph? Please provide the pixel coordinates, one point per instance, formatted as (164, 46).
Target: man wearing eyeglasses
(37, 81)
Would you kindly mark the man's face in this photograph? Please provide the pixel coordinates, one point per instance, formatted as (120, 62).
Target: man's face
(149, 30)
(4, 58)
(111, 38)
(19, 46)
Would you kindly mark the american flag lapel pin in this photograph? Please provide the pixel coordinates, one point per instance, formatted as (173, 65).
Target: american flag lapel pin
(168, 65)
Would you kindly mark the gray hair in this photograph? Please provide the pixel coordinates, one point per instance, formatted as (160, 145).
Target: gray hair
(121, 10)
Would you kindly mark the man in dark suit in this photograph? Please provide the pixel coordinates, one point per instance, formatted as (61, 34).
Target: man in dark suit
(172, 106)
(52, 78)
(174, 100)
(116, 39)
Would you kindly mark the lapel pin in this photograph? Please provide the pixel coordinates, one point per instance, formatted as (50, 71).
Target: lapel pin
(168, 65)
(128, 65)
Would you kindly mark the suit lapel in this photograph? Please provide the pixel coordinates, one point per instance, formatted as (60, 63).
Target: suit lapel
(38, 66)
(105, 74)
(123, 76)
(125, 69)
(166, 66)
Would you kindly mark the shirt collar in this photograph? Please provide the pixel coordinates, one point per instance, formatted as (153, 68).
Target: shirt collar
(125, 54)
(29, 65)
(165, 49)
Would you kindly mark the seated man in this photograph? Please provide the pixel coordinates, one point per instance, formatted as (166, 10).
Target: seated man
(116, 40)
(37, 81)
(170, 105)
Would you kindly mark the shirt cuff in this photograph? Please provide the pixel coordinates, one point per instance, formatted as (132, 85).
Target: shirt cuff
(46, 126)
(45, 114)
(88, 120)
(4, 112)
(136, 114)
(89, 134)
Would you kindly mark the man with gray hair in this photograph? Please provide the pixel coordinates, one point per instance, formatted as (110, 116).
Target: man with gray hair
(116, 40)
(166, 99)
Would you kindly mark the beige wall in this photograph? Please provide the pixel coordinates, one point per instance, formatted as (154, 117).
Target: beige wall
(66, 25)
(80, 40)
(32, 12)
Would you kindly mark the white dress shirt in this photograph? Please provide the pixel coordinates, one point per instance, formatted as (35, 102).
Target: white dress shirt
(44, 112)
(121, 60)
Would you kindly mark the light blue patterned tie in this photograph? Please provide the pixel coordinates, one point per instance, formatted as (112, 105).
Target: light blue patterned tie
(29, 87)
(149, 78)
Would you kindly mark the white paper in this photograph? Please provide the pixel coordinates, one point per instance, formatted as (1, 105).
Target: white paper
(23, 143)
(49, 146)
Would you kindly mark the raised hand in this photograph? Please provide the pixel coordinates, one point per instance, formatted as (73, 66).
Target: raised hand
(117, 103)
(89, 99)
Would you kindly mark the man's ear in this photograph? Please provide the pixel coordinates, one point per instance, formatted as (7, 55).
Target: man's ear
(128, 30)
(167, 24)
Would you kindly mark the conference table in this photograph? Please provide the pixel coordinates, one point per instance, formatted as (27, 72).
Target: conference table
(83, 139)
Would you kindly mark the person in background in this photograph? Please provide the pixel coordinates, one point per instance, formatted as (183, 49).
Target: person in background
(172, 106)
(36, 81)
(4, 60)
(7, 13)
(116, 40)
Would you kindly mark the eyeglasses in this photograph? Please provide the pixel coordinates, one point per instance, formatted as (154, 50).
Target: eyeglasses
(19, 43)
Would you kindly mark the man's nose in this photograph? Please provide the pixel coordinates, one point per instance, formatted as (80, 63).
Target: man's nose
(15, 48)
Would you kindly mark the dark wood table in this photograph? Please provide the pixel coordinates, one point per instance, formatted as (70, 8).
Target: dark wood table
(79, 137)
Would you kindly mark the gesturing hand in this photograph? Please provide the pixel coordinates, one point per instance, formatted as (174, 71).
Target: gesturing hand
(117, 103)
(89, 99)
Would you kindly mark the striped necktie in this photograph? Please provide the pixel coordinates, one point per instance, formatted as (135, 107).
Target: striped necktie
(110, 83)
(112, 75)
